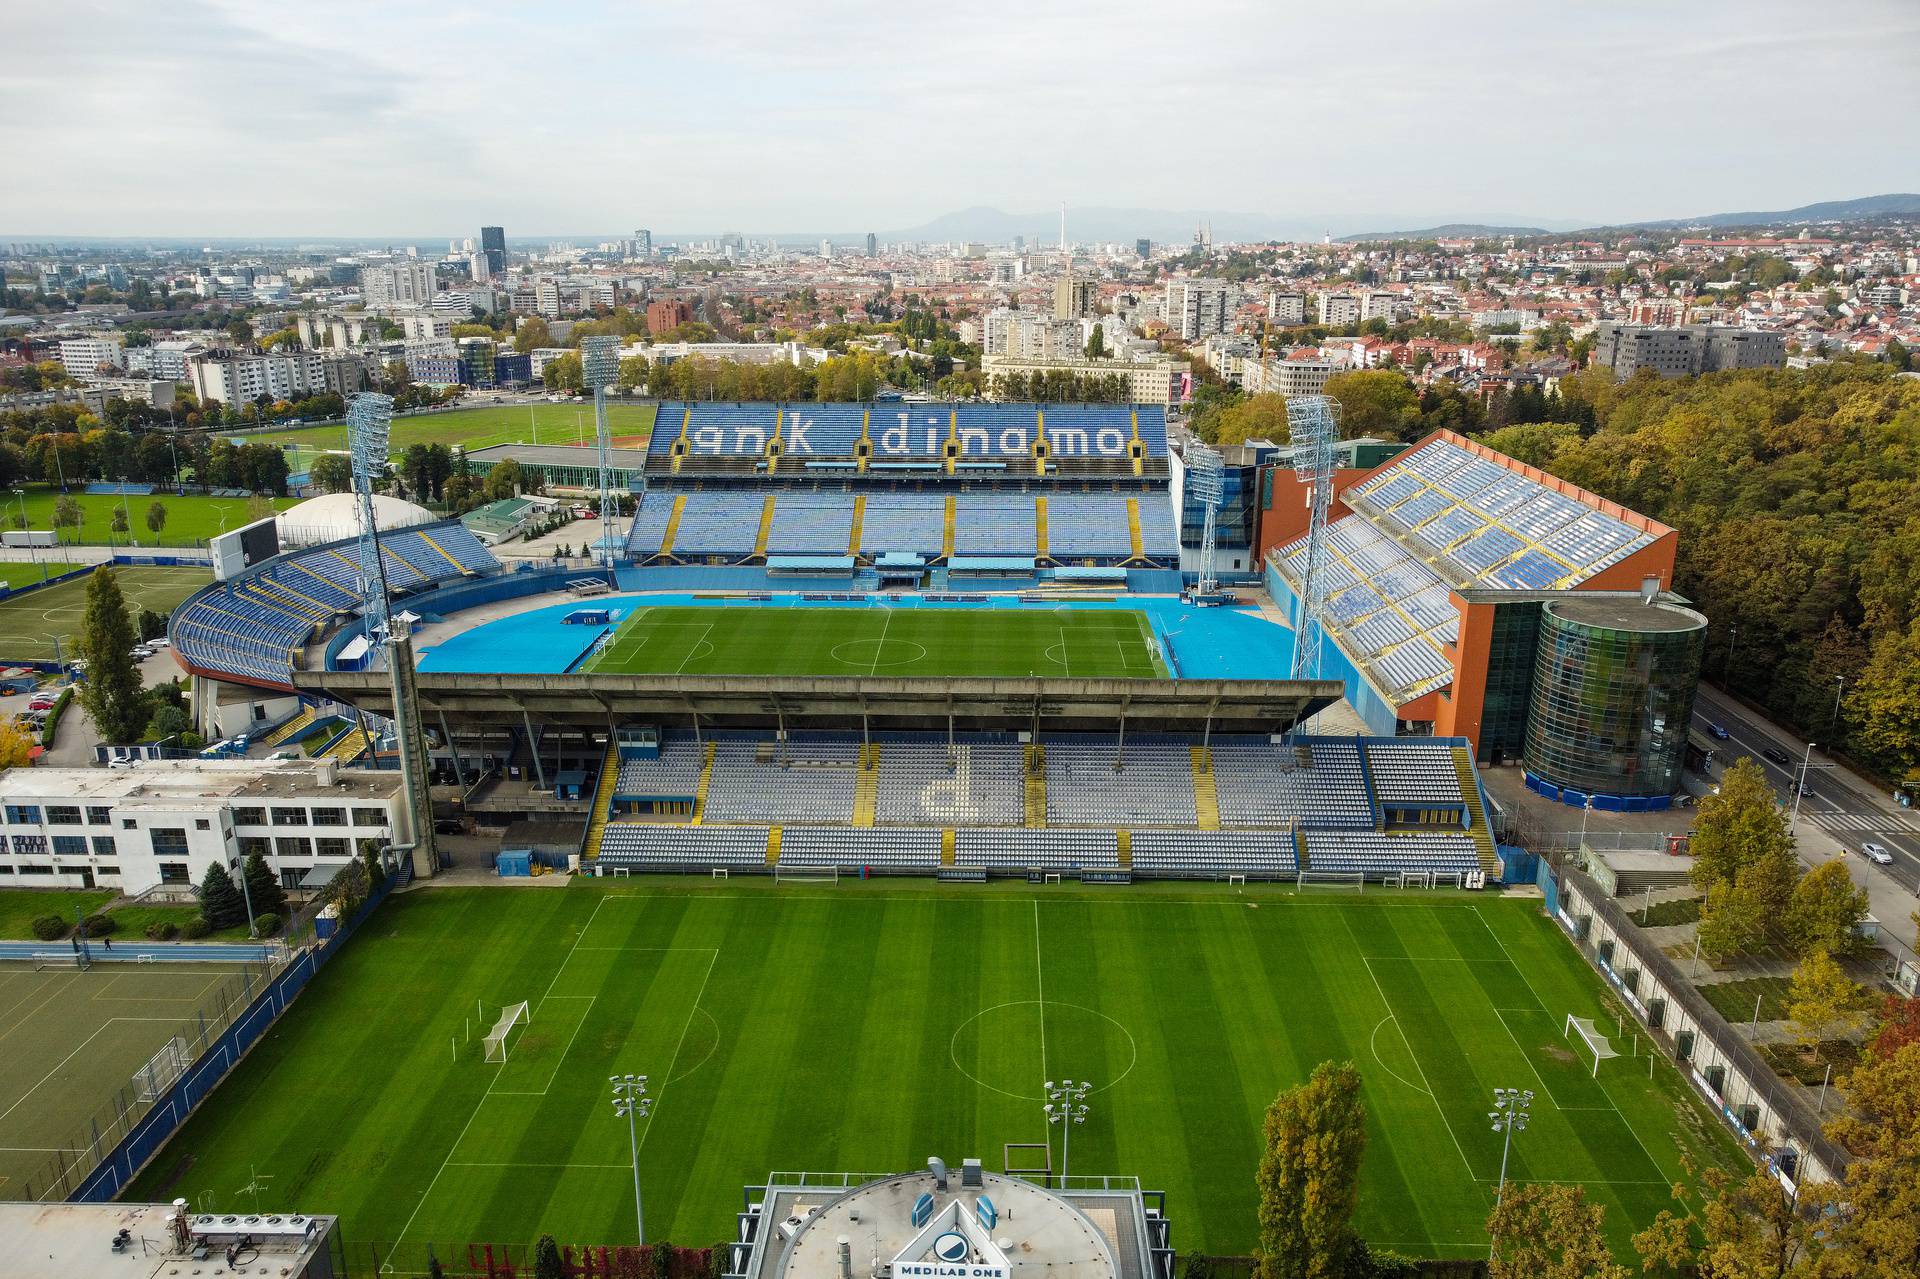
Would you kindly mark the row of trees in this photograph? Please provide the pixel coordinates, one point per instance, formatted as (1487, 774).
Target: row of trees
(1063, 386)
(81, 456)
(1722, 1225)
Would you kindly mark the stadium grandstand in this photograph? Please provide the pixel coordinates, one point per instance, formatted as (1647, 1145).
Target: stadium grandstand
(1443, 567)
(1087, 723)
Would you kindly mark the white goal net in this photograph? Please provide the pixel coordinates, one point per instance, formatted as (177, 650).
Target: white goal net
(806, 874)
(162, 1070)
(510, 1016)
(1353, 881)
(1590, 1036)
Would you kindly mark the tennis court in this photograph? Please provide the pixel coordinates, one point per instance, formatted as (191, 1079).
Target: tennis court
(29, 622)
(73, 1041)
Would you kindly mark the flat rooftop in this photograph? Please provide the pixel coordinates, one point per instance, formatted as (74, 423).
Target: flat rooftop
(1625, 613)
(182, 779)
(63, 1241)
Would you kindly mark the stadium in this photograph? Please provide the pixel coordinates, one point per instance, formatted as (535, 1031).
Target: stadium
(855, 639)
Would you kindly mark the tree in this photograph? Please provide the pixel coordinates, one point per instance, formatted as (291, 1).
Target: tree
(258, 508)
(1097, 342)
(331, 474)
(16, 744)
(1822, 1001)
(547, 1263)
(1733, 919)
(119, 521)
(1745, 1228)
(111, 693)
(1899, 1026)
(1878, 1218)
(1258, 417)
(67, 514)
(1741, 829)
(263, 886)
(1550, 1232)
(221, 904)
(1309, 1176)
(531, 334)
(168, 721)
(1886, 701)
(1826, 910)
(1378, 402)
(156, 519)
(564, 373)
(504, 480)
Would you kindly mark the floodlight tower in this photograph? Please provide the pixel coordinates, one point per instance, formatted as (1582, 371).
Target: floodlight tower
(600, 369)
(1206, 481)
(1313, 424)
(1066, 1107)
(369, 418)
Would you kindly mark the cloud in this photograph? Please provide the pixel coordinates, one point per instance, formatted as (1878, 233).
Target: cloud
(211, 117)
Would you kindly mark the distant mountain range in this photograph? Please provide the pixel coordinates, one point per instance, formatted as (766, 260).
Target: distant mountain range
(1449, 231)
(1869, 206)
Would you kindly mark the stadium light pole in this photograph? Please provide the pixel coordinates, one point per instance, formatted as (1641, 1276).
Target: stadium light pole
(1065, 1106)
(630, 1100)
(1800, 786)
(1509, 1114)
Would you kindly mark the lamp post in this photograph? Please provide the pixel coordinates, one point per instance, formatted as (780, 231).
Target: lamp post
(1733, 637)
(1800, 785)
(631, 1101)
(1065, 1106)
(1840, 688)
(1509, 1114)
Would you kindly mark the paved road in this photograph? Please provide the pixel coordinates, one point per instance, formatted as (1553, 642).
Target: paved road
(1847, 806)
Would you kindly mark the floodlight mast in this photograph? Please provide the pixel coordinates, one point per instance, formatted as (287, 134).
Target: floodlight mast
(631, 1102)
(1313, 425)
(369, 420)
(1206, 479)
(1065, 1107)
(600, 368)
(1509, 1115)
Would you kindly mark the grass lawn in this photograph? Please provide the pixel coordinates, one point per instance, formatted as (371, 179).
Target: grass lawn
(1734, 999)
(26, 622)
(866, 1026)
(904, 642)
(19, 907)
(16, 575)
(569, 423)
(1685, 910)
(1809, 1065)
(133, 921)
(190, 520)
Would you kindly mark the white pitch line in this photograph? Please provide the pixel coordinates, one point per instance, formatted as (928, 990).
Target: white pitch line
(874, 667)
(1040, 987)
(674, 1062)
(487, 1091)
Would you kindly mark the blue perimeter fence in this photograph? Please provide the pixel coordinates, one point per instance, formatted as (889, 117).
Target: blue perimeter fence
(94, 1168)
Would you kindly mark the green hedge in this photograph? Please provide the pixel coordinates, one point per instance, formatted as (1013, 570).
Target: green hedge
(53, 716)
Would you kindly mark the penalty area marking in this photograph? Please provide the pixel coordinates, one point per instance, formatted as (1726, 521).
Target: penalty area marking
(953, 1054)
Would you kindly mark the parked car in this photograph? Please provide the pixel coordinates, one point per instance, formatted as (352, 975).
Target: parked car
(1876, 853)
(1777, 755)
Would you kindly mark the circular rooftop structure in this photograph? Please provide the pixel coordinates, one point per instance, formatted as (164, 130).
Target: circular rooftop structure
(337, 516)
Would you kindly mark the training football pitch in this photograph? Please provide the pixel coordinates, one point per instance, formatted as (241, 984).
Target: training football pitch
(865, 1026)
(29, 622)
(568, 423)
(1085, 643)
(72, 1041)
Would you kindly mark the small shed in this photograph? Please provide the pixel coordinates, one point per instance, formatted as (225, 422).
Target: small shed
(570, 783)
(514, 863)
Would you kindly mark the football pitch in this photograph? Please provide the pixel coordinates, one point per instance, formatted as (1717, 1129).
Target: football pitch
(1084, 643)
(72, 1041)
(29, 623)
(568, 423)
(865, 1026)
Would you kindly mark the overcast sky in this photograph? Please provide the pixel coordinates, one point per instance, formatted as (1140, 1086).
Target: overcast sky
(393, 118)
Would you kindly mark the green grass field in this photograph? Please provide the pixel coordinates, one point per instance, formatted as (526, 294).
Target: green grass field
(569, 423)
(73, 1039)
(866, 1026)
(190, 520)
(19, 907)
(27, 621)
(1089, 643)
(16, 574)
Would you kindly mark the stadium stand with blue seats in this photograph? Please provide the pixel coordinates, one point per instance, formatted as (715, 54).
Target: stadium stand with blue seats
(1013, 852)
(1413, 773)
(1154, 786)
(810, 781)
(1182, 854)
(981, 784)
(675, 771)
(995, 524)
(644, 846)
(909, 523)
(897, 851)
(254, 626)
(1260, 784)
(810, 524)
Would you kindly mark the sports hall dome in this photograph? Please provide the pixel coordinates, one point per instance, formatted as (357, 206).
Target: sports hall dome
(337, 515)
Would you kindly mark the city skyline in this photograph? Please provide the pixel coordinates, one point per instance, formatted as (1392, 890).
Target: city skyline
(224, 120)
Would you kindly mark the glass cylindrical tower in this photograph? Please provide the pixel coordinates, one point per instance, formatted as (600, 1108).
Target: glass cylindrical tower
(1613, 687)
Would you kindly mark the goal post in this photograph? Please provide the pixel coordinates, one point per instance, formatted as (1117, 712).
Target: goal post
(510, 1016)
(1596, 1043)
(162, 1070)
(785, 874)
(1339, 880)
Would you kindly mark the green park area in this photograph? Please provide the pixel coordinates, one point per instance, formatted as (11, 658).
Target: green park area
(570, 422)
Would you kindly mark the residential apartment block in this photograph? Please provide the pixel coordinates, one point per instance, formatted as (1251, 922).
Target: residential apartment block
(1681, 352)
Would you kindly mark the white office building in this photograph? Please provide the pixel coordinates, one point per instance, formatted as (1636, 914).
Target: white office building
(399, 284)
(1196, 308)
(84, 357)
(165, 821)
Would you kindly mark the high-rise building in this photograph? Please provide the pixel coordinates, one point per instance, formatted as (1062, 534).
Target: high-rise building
(826, 249)
(873, 245)
(1195, 309)
(1073, 299)
(1144, 248)
(493, 248)
(1679, 352)
(646, 243)
(401, 284)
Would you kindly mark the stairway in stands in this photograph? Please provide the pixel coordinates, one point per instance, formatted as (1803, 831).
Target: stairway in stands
(946, 538)
(1206, 795)
(1476, 813)
(866, 785)
(947, 842)
(1040, 527)
(673, 524)
(348, 746)
(1123, 848)
(859, 518)
(1133, 528)
(773, 845)
(766, 528)
(602, 801)
(1036, 785)
(706, 780)
(292, 727)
